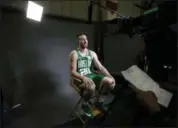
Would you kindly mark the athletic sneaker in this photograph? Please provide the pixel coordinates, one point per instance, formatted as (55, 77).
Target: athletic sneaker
(106, 98)
(101, 107)
(87, 109)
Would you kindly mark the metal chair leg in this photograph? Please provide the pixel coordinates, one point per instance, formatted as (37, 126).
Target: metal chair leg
(78, 115)
(78, 103)
(73, 113)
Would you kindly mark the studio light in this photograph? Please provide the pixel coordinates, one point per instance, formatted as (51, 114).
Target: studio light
(34, 11)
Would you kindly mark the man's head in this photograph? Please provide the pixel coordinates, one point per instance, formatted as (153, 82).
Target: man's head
(82, 40)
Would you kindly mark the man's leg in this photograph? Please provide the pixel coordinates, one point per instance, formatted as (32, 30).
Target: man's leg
(87, 94)
(106, 85)
(103, 84)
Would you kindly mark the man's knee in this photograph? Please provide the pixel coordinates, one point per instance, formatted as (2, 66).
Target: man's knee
(109, 82)
(91, 88)
(89, 91)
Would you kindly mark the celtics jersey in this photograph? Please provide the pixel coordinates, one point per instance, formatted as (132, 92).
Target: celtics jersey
(84, 63)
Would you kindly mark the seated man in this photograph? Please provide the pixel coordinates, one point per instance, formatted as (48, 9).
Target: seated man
(81, 61)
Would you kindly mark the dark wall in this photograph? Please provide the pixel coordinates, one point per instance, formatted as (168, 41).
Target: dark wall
(120, 51)
(1, 107)
(35, 63)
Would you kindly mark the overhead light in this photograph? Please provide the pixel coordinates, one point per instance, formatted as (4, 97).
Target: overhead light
(34, 11)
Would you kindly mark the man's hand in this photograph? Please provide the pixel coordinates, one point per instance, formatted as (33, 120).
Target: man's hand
(88, 82)
(109, 76)
(114, 82)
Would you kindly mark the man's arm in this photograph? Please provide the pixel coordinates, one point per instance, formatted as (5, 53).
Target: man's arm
(99, 66)
(73, 66)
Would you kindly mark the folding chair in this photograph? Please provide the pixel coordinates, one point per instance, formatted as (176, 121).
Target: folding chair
(76, 84)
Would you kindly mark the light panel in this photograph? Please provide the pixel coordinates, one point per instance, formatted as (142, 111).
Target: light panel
(34, 11)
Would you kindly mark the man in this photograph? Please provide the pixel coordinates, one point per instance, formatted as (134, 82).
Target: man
(81, 61)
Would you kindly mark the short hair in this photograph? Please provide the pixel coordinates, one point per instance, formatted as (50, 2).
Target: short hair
(81, 33)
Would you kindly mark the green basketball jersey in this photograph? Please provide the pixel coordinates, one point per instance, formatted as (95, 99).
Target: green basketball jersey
(84, 63)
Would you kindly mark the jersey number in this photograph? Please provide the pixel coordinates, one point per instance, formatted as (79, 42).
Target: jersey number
(85, 71)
